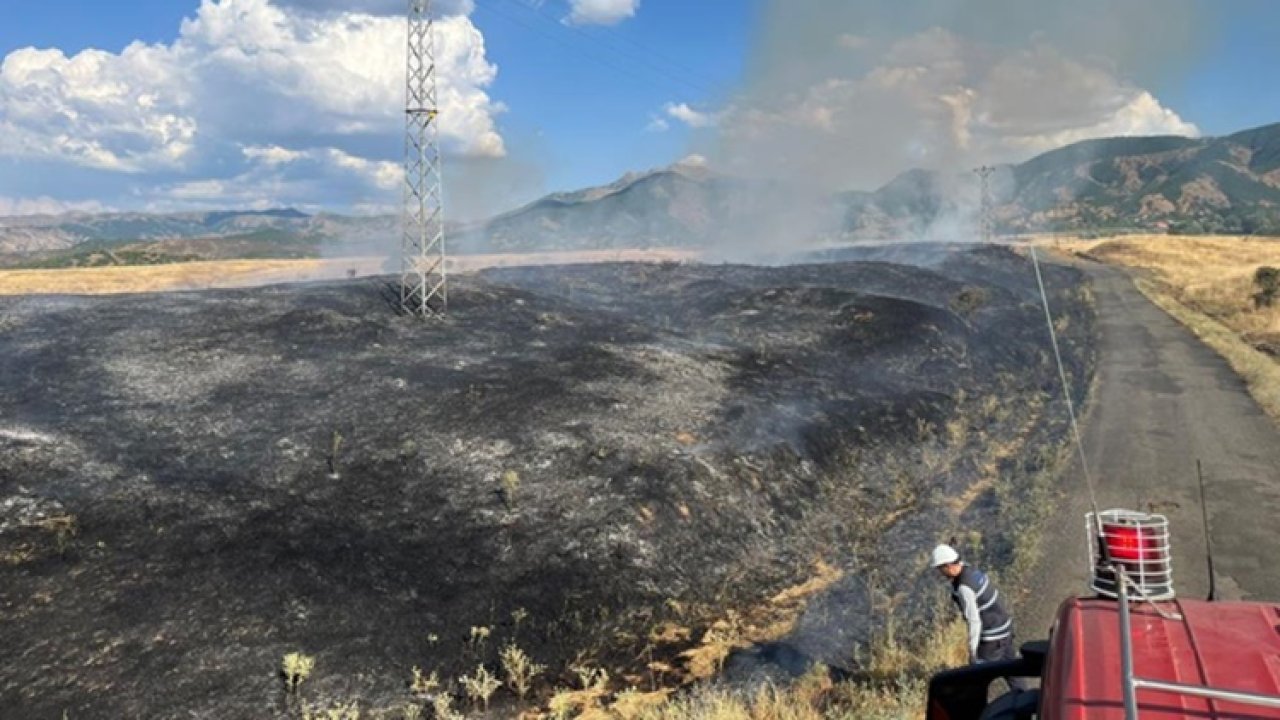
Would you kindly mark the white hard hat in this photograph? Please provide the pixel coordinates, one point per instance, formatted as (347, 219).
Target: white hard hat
(944, 555)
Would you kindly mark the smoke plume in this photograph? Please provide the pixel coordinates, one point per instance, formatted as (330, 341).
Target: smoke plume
(847, 96)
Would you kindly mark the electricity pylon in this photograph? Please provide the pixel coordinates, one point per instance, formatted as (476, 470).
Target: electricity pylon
(424, 288)
(986, 218)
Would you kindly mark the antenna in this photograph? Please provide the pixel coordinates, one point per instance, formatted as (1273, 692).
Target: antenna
(986, 220)
(1066, 387)
(1208, 539)
(423, 279)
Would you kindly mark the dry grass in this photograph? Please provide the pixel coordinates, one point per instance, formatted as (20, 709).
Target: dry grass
(1206, 283)
(770, 621)
(153, 278)
(248, 273)
(893, 670)
(894, 690)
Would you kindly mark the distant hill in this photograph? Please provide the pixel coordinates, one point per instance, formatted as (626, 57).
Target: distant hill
(676, 205)
(132, 238)
(684, 204)
(1227, 184)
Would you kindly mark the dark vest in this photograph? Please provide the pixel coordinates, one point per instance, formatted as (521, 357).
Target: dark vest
(996, 623)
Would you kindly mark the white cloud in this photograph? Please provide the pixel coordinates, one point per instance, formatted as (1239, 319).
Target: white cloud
(379, 7)
(249, 74)
(17, 207)
(276, 176)
(382, 174)
(694, 162)
(271, 154)
(938, 100)
(601, 12)
(657, 124)
(1140, 115)
(689, 116)
(114, 112)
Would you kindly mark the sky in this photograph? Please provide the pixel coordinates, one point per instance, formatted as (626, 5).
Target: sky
(170, 105)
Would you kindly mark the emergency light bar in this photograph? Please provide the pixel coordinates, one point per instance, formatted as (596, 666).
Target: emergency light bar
(1137, 543)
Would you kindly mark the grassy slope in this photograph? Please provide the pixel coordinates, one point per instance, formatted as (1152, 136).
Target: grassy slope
(1206, 283)
(896, 668)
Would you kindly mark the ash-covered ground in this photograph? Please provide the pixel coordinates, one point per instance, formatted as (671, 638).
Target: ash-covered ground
(193, 485)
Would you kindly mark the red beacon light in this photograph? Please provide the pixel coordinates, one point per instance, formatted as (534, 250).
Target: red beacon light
(1136, 542)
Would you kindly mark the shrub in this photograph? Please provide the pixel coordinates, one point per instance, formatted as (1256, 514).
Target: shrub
(1267, 280)
(442, 708)
(295, 668)
(481, 686)
(520, 669)
(969, 301)
(424, 684)
(510, 485)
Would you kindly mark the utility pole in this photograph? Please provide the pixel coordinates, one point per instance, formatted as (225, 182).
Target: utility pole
(986, 219)
(424, 286)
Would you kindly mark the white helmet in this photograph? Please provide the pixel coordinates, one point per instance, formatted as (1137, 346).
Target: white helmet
(945, 555)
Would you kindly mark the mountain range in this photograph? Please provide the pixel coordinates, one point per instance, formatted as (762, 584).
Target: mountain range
(1176, 184)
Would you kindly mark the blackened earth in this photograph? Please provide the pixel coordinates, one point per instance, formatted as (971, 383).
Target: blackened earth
(297, 468)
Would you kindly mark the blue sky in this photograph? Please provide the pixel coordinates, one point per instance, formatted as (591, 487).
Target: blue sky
(584, 95)
(178, 104)
(1233, 83)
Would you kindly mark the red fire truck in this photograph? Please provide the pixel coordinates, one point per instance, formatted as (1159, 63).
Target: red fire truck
(1132, 650)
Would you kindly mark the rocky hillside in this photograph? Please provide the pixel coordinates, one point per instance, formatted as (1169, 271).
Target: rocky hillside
(49, 235)
(1228, 184)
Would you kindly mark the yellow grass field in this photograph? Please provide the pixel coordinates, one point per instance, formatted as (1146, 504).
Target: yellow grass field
(149, 278)
(1206, 283)
(249, 273)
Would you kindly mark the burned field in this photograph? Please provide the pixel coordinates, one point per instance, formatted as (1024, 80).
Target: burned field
(596, 463)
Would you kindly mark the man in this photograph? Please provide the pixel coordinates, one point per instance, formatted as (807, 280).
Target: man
(990, 625)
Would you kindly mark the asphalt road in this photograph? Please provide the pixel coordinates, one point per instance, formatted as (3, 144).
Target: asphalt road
(1162, 401)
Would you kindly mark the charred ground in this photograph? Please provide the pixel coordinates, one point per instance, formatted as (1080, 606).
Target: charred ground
(241, 474)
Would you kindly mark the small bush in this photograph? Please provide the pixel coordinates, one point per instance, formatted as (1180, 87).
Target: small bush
(424, 684)
(481, 686)
(510, 485)
(442, 708)
(1267, 280)
(520, 669)
(294, 669)
(477, 641)
(969, 301)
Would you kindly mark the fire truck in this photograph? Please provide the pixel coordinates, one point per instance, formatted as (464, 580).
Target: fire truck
(1131, 650)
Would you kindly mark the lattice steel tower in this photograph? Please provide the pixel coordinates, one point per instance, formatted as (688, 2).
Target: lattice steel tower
(424, 286)
(986, 209)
